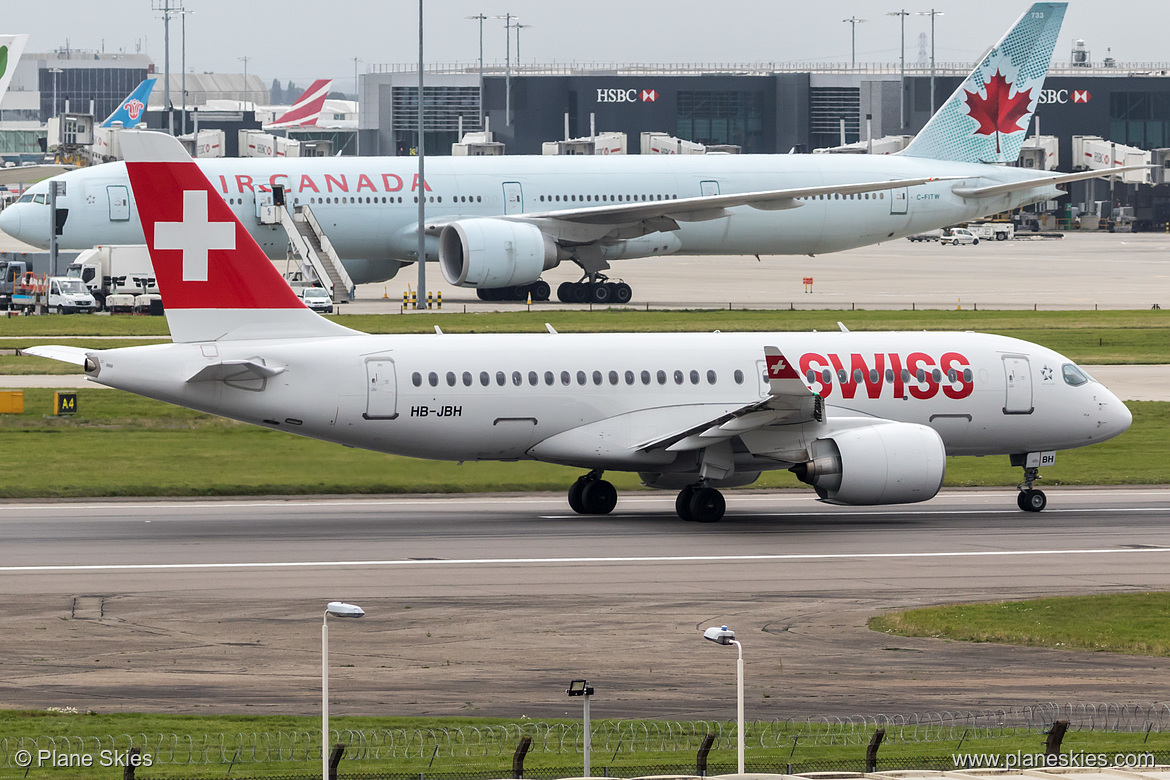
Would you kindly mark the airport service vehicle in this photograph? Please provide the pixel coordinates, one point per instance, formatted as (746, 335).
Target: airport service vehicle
(992, 231)
(865, 418)
(496, 223)
(57, 294)
(929, 235)
(316, 298)
(956, 236)
(114, 269)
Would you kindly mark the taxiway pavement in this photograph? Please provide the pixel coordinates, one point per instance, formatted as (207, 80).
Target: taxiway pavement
(490, 604)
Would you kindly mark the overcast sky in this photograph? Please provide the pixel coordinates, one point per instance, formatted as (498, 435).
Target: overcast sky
(306, 39)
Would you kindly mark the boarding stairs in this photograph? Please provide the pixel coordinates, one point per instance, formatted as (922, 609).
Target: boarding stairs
(312, 247)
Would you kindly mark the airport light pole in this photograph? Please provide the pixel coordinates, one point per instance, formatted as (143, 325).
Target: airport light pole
(55, 72)
(480, 18)
(853, 21)
(244, 60)
(931, 13)
(357, 98)
(507, 67)
(581, 688)
(342, 610)
(722, 635)
(518, 27)
(902, 90)
(422, 182)
(183, 76)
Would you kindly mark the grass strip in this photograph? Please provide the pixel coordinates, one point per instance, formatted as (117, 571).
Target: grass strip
(1130, 623)
(490, 747)
(124, 445)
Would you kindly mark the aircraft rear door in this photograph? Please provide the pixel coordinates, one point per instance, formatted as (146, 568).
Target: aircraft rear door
(381, 389)
(1018, 382)
(513, 198)
(119, 195)
(899, 201)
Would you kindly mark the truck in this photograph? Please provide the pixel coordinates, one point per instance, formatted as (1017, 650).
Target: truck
(14, 266)
(57, 294)
(992, 231)
(114, 269)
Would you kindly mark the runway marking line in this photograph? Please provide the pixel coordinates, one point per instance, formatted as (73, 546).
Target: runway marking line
(562, 561)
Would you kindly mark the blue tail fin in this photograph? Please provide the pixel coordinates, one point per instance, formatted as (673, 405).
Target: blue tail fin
(133, 108)
(987, 117)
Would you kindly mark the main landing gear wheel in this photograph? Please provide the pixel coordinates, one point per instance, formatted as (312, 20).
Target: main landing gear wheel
(1032, 500)
(602, 292)
(592, 495)
(700, 504)
(539, 290)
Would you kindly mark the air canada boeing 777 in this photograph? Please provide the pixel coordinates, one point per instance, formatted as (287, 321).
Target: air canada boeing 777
(865, 418)
(497, 223)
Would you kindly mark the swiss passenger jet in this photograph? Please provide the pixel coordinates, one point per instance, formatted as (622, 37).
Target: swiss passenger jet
(497, 223)
(865, 418)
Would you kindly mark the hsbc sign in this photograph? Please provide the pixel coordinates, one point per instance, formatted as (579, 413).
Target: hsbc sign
(1049, 96)
(626, 95)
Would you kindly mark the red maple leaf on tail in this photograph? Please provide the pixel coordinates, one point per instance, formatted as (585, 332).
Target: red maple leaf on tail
(998, 113)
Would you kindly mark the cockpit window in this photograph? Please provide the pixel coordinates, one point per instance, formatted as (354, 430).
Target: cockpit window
(26, 198)
(1073, 375)
(39, 198)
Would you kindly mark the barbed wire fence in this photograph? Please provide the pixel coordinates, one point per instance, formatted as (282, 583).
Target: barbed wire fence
(613, 737)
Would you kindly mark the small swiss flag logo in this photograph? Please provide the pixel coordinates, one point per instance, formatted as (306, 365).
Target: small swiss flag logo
(1081, 96)
(649, 96)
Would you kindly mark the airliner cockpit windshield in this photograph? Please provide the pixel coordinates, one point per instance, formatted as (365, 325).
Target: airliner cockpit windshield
(1073, 375)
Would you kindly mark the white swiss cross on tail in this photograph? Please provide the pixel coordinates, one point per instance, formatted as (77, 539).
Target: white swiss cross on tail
(195, 235)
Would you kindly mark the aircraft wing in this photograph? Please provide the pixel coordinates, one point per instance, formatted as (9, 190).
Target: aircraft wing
(696, 209)
(1033, 184)
(789, 402)
(29, 174)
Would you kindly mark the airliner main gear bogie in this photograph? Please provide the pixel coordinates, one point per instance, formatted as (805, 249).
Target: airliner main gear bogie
(700, 504)
(539, 290)
(601, 291)
(592, 495)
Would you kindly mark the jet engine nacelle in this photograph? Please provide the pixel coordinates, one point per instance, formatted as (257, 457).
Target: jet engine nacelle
(494, 253)
(891, 463)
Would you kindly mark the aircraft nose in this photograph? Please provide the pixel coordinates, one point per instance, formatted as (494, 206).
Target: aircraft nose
(1114, 416)
(10, 221)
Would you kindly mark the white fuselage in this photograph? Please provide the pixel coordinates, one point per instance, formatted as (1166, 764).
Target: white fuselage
(591, 400)
(367, 206)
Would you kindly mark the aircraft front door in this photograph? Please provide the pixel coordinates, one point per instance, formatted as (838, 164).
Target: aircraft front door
(1018, 381)
(899, 201)
(513, 198)
(708, 188)
(119, 196)
(381, 390)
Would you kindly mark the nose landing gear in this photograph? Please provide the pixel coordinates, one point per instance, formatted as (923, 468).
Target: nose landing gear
(1029, 498)
(592, 495)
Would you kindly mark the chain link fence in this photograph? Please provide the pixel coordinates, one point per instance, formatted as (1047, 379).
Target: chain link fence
(612, 738)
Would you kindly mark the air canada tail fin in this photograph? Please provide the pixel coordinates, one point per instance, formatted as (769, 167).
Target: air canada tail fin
(308, 107)
(133, 109)
(216, 282)
(987, 117)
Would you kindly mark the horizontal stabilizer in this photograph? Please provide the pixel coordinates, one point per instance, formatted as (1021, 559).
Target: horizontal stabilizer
(1035, 184)
(235, 370)
(74, 355)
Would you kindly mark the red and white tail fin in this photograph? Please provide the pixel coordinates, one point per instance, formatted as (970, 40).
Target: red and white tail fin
(215, 281)
(308, 107)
